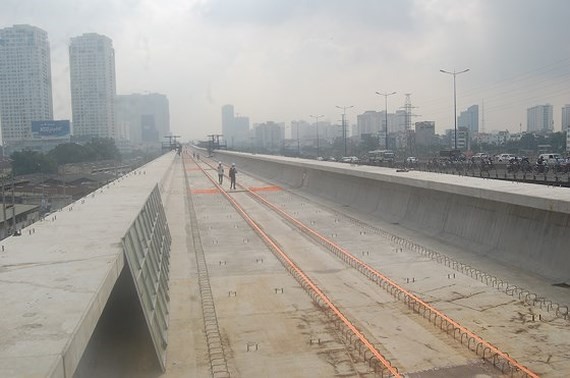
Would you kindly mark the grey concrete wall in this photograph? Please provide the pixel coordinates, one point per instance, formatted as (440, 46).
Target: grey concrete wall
(524, 225)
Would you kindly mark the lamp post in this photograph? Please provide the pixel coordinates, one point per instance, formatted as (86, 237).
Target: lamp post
(454, 74)
(343, 123)
(316, 117)
(386, 112)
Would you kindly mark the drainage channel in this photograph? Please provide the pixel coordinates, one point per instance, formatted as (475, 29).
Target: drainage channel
(378, 362)
(217, 357)
(475, 343)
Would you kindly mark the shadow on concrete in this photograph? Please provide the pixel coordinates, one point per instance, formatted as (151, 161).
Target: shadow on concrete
(121, 345)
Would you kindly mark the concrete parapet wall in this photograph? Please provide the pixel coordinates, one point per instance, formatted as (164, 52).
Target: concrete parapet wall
(56, 278)
(524, 225)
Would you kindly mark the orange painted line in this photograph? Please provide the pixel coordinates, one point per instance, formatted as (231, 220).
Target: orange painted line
(393, 284)
(272, 188)
(192, 169)
(205, 191)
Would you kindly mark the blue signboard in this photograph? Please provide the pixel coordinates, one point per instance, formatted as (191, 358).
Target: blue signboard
(51, 129)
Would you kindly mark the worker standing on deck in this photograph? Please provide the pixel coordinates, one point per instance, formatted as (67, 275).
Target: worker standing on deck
(233, 172)
(220, 173)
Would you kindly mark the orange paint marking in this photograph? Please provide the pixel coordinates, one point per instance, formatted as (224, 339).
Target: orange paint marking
(205, 191)
(272, 188)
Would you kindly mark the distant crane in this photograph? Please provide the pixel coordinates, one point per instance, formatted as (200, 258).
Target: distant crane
(172, 143)
(215, 144)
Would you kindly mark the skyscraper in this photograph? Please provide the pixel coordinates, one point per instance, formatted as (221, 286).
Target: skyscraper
(539, 118)
(469, 119)
(566, 118)
(25, 81)
(93, 86)
(234, 128)
(142, 118)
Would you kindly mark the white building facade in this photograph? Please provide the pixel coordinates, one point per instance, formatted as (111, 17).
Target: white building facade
(539, 119)
(93, 86)
(25, 81)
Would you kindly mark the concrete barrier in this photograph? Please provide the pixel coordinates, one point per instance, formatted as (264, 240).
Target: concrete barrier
(57, 277)
(524, 225)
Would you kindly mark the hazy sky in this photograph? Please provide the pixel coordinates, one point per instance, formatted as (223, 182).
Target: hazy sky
(282, 60)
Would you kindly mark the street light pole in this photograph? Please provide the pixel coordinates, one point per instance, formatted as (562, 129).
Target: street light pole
(316, 117)
(298, 142)
(454, 74)
(343, 123)
(386, 113)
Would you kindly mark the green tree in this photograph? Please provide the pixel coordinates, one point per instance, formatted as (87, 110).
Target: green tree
(557, 141)
(71, 153)
(26, 162)
(103, 149)
(528, 142)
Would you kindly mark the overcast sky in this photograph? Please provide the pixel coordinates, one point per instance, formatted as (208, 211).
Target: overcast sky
(282, 60)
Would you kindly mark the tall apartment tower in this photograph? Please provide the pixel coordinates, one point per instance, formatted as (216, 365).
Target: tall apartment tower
(142, 118)
(469, 119)
(566, 118)
(539, 118)
(93, 86)
(25, 81)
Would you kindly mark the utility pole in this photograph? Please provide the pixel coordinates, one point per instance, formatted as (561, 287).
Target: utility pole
(317, 124)
(13, 204)
(5, 224)
(344, 124)
(454, 74)
(386, 109)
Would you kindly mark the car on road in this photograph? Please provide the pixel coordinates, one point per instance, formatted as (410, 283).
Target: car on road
(350, 159)
(551, 158)
(505, 158)
(411, 160)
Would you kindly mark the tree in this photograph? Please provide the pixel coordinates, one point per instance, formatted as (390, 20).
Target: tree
(528, 142)
(26, 162)
(557, 141)
(103, 149)
(70, 153)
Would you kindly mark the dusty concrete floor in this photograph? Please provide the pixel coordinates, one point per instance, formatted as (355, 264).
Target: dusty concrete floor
(270, 327)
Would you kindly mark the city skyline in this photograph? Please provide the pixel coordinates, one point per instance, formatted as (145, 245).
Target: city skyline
(282, 61)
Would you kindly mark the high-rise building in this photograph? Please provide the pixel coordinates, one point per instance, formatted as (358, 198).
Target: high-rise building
(369, 122)
(142, 118)
(93, 86)
(566, 118)
(227, 120)
(469, 119)
(25, 81)
(539, 118)
(425, 133)
(234, 128)
(269, 136)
